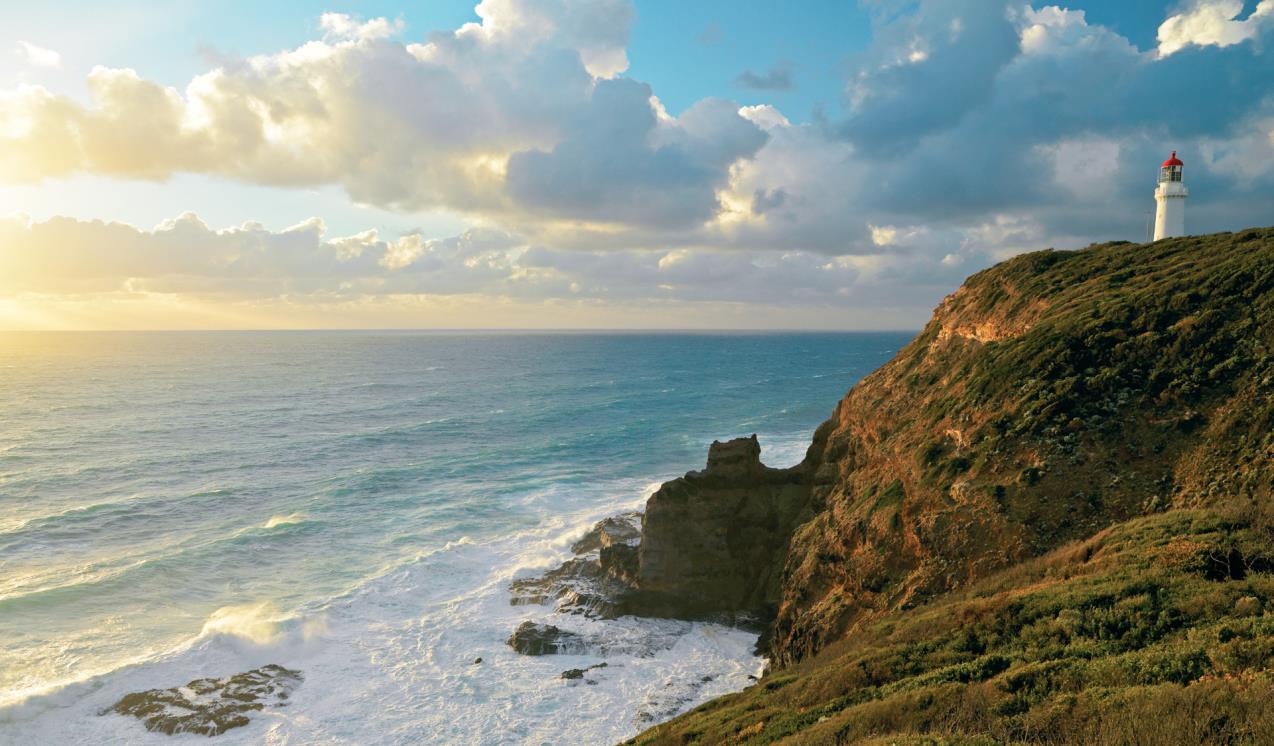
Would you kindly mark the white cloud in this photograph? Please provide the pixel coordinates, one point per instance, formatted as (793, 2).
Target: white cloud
(1052, 30)
(1212, 23)
(183, 256)
(764, 116)
(342, 27)
(883, 235)
(37, 56)
(517, 123)
(1086, 167)
(1245, 158)
(516, 117)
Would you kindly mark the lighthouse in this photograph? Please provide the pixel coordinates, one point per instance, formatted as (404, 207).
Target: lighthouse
(1170, 216)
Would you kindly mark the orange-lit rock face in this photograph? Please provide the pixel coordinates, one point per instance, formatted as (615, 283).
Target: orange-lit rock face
(1051, 396)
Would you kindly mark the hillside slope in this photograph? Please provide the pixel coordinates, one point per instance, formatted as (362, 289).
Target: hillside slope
(1121, 397)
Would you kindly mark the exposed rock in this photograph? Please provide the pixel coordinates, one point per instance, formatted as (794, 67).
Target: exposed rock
(531, 638)
(476, 661)
(578, 673)
(621, 529)
(1050, 397)
(713, 541)
(578, 586)
(711, 546)
(602, 571)
(210, 707)
(620, 563)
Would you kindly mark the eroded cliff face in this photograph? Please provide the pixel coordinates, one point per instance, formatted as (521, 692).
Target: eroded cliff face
(1051, 396)
(714, 541)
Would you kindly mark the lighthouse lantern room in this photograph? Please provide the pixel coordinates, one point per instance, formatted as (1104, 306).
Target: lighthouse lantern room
(1170, 195)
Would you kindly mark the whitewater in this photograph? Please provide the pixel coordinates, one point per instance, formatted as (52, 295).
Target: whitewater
(354, 505)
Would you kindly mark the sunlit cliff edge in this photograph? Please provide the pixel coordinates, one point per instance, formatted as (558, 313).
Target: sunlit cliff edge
(1049, 519)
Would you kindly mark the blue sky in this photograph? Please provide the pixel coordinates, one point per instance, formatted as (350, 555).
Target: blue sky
(599, 162)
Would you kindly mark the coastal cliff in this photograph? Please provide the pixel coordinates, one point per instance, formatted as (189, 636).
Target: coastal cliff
(1094, 426)
(714, 541)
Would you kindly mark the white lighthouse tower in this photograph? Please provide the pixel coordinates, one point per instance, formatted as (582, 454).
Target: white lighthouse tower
(1170, 217)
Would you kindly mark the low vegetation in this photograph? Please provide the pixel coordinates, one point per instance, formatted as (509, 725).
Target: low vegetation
(1157, 631)
(1050, 519)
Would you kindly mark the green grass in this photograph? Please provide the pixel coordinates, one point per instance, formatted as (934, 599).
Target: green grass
(1132, 636)
(1050, 519)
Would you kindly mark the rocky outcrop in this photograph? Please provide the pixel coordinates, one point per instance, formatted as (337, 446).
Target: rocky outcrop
(591, 583)
(711, 544)
(713, 541)
(531, 638)
(1050, 397)
(620, 530)
(210, 707)
(574, 674)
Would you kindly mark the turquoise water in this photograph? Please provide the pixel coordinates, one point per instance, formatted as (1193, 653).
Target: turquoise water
(174, 505)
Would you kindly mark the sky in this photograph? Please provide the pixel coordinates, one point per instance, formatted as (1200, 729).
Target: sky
(598, 163)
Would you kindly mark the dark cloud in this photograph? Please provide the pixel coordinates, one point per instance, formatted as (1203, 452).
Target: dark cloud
(964, 111)
(619, 163)
(925, 70)
(764, 201)
(777, 78)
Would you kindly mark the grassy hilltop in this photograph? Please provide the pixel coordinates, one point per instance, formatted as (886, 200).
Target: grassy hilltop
(1050, 519)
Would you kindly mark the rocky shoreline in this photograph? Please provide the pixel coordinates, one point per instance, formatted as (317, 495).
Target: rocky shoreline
(210, 707)
(708, 547)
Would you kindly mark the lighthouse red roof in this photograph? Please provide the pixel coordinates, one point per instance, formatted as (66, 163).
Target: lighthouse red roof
(1173, 161)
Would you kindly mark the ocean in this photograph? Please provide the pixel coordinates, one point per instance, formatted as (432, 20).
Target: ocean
(353, 505)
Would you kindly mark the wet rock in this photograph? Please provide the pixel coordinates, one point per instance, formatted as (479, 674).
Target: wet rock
(531, 638)
(621, 529)
(476, 661)
(578, 673)
(620, 563)
(603, 570)
(210, 707)
(579, 586)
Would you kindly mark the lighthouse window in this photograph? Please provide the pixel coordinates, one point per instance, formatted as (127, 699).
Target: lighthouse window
(1176, 174)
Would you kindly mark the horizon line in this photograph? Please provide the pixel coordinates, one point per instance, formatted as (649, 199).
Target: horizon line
(476, 330)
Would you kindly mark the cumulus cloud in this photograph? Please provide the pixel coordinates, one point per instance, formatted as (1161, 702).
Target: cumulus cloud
(618, 162)
(403, 125)
(1213, 23)
(975, 128)
(344, 27)
(926, 69)
(184, 256)
(37, 56)
(1050, 120)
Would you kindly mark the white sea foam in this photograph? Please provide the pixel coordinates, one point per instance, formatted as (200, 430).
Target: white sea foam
(392, 662)
(364, 535)
(285, 520)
